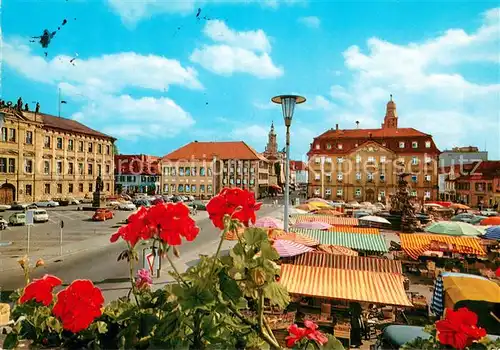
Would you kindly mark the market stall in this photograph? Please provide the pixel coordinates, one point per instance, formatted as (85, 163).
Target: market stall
(329, 219)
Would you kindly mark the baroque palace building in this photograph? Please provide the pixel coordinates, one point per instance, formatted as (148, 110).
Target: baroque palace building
(362, 164)
(48, 157)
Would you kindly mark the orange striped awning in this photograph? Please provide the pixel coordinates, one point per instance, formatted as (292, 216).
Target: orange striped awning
(352, 229)
(344, 262)
(416, 244)
(332, 220)
(302, 239)
(354, 285)
(272, 233)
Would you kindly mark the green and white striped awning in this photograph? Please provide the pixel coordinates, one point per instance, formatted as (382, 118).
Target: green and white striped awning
(357, 241)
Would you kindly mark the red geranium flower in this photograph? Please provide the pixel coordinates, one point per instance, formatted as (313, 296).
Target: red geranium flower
(40, 290)
(459, 328)
(296, 335)
(497, 272)
(236, 202)
(78, 305)
(173, 221)
(138, 227)
(311, 332)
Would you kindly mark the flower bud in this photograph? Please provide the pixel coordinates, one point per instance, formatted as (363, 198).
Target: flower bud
(23, 262)
(258, 276)
(39, 263)
(176, 252)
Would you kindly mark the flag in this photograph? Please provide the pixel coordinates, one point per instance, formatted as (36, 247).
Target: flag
(64, 102)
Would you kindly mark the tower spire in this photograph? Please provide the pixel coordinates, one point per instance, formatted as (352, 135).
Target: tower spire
(391, 115)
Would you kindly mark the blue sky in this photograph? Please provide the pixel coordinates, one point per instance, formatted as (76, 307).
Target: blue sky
(156, 77)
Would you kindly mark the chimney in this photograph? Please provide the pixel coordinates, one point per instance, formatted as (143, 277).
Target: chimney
(357, 124)
(336, 127)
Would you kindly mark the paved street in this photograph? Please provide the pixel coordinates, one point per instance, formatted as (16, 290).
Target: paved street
(98, 261)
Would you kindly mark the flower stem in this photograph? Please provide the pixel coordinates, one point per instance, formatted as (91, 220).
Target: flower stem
(175, 268)
(131, 272)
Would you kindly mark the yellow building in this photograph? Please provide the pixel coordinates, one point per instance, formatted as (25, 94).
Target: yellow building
(202, 169)
(47, 157)
(362, 164)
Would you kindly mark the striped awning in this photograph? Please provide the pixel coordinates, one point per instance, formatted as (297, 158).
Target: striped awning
(352, 229)
(272, 233)
(302, 239)
(344, 262)
(415, 245)
(354, 285)
(356, 241)
(332, 220)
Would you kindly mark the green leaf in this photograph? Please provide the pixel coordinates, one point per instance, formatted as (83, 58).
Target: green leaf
(268, 251)
(254, 236)
(102, 327)
(277, 294)
(197, 298)
(11, 341)
(148, 321)
(333, 343)
(54, 324)
(229, 287)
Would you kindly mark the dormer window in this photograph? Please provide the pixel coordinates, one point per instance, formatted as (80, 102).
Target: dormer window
(328, 146)
(427, 144)
(339, 146)
(414, 144)
(402, 144)
(317, 146)
(384, 144)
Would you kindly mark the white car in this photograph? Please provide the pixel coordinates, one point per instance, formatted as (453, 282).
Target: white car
(72, 200)
(4, 207)
(49, 204)
(127, 206)
(113, 203)
(40, 215)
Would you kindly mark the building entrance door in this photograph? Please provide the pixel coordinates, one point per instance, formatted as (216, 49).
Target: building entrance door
(370, 195)
(7, 193)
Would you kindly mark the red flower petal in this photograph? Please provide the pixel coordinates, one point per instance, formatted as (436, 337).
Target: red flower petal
(40, 290)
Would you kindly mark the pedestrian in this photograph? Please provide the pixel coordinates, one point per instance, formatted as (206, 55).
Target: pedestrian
(356, 324)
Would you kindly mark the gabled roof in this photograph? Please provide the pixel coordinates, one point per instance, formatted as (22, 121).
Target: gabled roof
(71, 125)
(375, 133)
(208, 150)
(298, 165)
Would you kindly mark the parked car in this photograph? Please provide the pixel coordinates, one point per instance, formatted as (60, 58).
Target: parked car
(489, 212)
(19, 206)
(102, 215)
(464, 217)
(4, 207)
(48, 204)
(3, 223)
(113, 203)
(157, 201)
(73, 201)
(17, 219)
(127, 206)
(40, 215)
(142, 203)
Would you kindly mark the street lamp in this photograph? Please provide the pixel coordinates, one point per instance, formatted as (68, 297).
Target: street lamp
(287, 103)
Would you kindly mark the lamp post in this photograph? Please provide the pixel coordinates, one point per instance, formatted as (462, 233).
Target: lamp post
(287, 103)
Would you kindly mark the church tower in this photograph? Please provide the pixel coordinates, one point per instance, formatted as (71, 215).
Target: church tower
(391, 116)
(272, 143)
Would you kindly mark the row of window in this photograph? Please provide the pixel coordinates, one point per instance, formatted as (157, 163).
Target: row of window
(479, 187)
(10, 136)
(186, 188)
(402, 145)
(133, 178)
(358, 193)
(28, 190)
(186, 171)
(8, 165)
(372, 160)
(370, 177)
(238, 181)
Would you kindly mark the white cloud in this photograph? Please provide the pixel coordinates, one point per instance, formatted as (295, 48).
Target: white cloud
(97, 84)
(310, 21)
(226, 60)
(133, 11)
(254, 40)
(238, 52)
(109, 73)
(255, 135)
(432, 91)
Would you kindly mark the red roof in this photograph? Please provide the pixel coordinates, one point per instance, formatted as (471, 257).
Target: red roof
(53, 122)
(350, 139)
(136, 164)
(208, 150)
(298, 165)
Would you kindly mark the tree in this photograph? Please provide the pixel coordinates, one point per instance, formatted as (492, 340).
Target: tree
(277, 171)
(115, 149)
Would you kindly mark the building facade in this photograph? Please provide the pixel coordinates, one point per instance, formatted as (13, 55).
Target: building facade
(138, 173)
(480, 186)
(48, 157)
(461, 155)
(202, 169)
(362, 164)
(298, 173)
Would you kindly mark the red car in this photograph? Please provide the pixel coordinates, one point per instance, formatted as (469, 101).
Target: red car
(102, 215)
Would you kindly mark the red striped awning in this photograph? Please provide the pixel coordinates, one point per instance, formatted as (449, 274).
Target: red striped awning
(332, 220)
(415, 245)
(354, 285)
(352, 229)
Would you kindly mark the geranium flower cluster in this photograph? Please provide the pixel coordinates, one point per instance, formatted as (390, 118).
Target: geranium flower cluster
(77, 306)
(143, 279)
(459, 328)
(310, 332)
(165, 221)
(238, 203)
